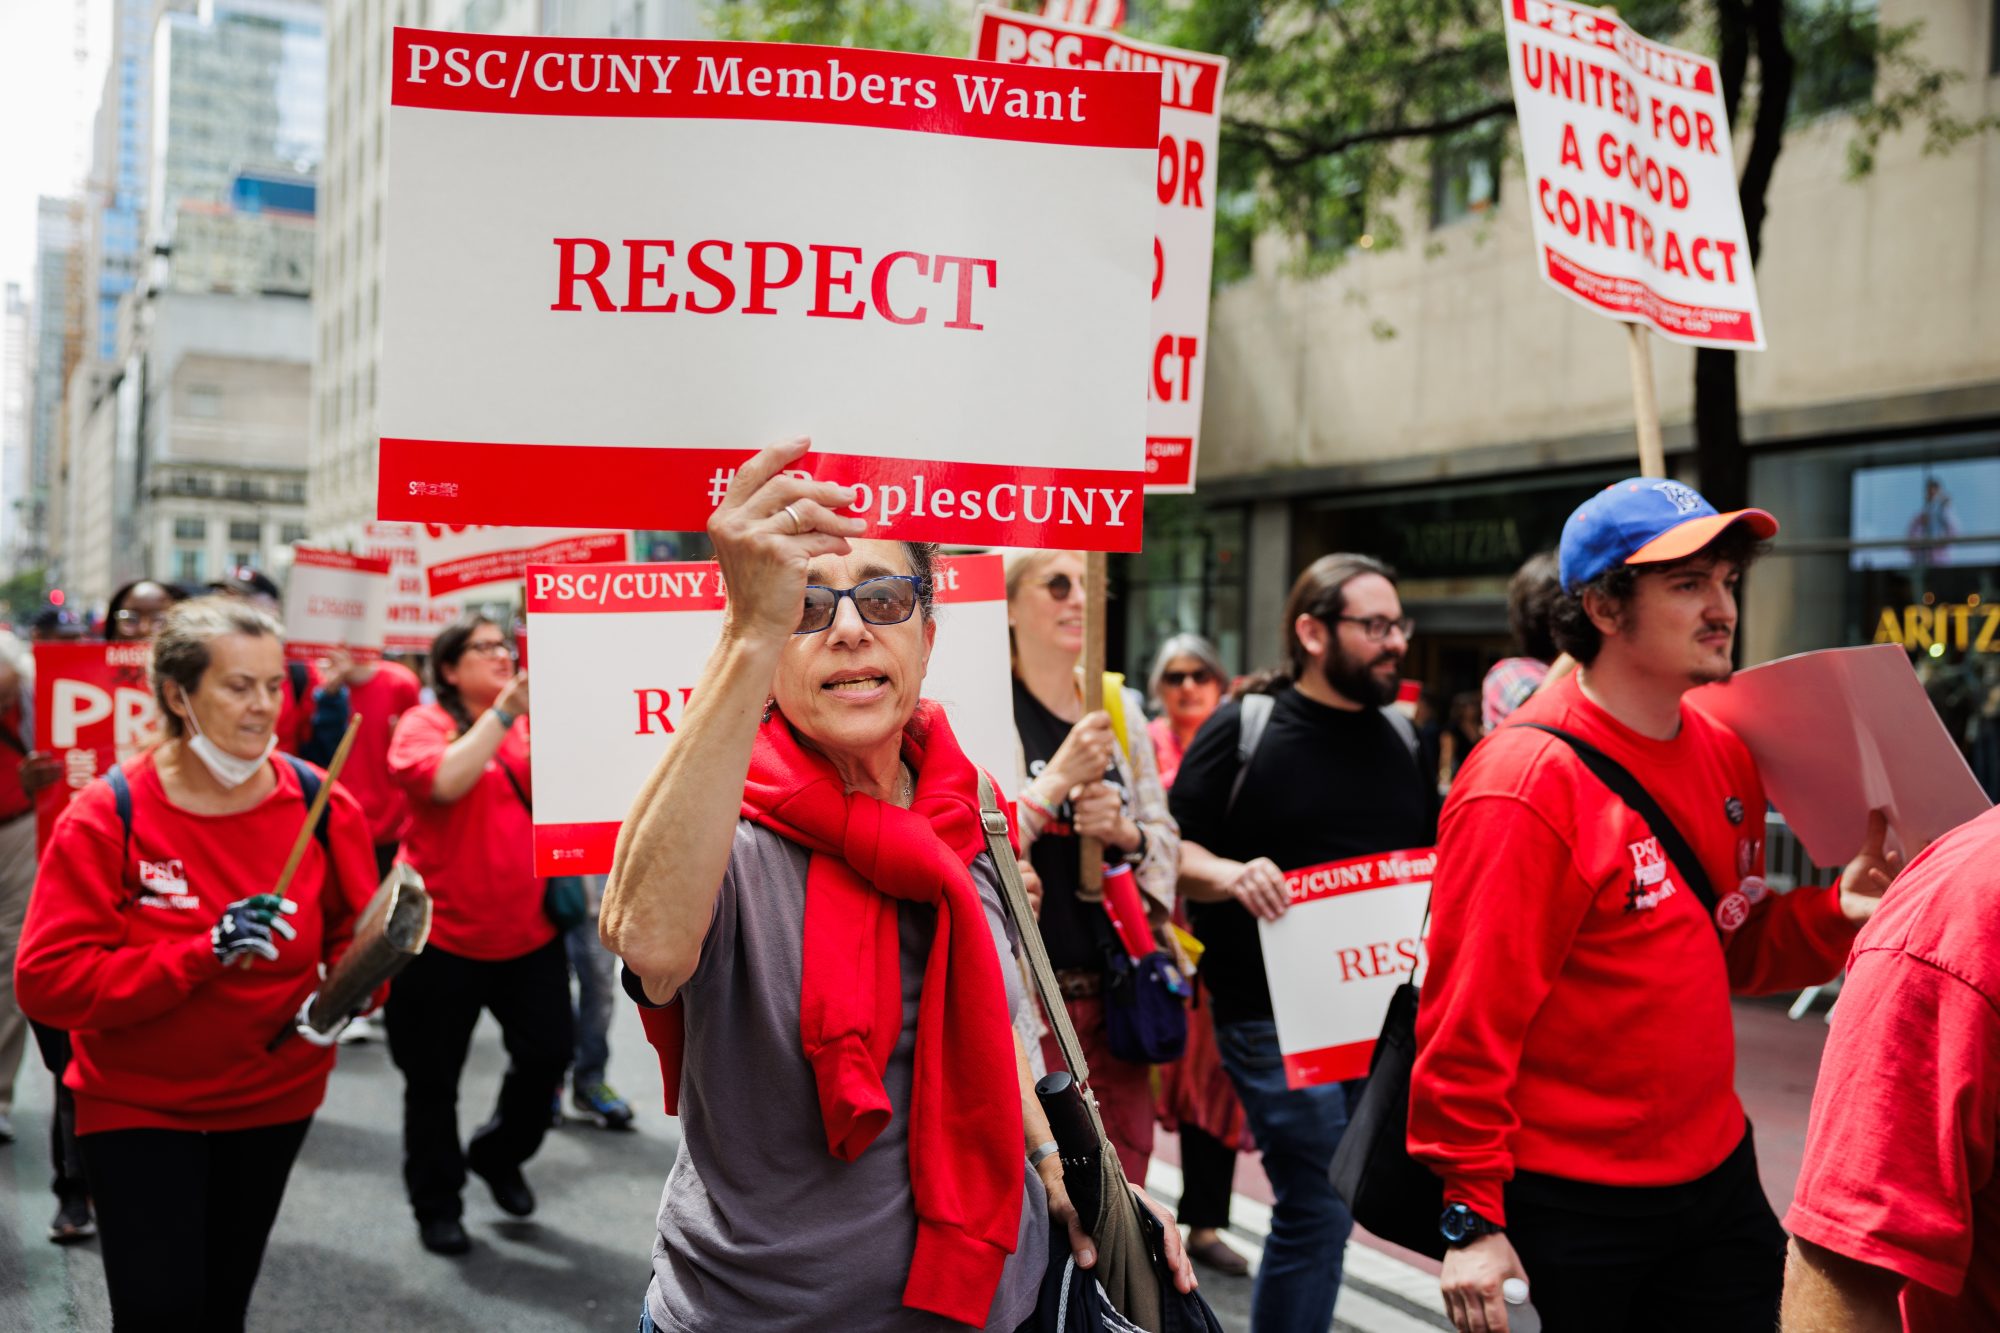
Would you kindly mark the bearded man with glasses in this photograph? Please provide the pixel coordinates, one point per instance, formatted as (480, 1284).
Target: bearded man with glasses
(1331, 775)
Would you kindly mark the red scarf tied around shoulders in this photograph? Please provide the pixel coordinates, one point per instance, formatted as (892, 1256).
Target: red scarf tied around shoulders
(965, 1101)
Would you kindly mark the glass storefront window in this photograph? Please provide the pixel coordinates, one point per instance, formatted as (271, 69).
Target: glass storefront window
(1894, 542)
(1189, 578)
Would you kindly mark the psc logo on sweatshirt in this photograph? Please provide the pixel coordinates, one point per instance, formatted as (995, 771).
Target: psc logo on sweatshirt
(164, 884)
(1650, 885)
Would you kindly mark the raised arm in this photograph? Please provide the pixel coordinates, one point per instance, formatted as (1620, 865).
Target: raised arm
(675, 843)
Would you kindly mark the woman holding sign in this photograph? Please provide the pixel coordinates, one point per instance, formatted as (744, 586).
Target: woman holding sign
(463, 763)
(804, 881)
(1079, 782)
(155, 938)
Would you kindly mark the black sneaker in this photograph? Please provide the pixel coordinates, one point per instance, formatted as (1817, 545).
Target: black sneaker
(444, 1235)
(598, 1102)
(510, 1188)
(73, 1222)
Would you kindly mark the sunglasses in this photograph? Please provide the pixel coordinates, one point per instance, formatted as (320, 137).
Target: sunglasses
(1060, 586)
(889, 599)
(1198, 676)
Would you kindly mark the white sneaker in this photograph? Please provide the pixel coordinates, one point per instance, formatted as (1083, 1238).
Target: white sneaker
(360, 1030)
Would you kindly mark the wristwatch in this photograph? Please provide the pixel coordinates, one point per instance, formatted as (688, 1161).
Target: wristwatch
(1137, 854)
(506, 718)
(1460, 1226)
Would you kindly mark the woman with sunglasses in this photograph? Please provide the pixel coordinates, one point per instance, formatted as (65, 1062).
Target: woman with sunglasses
(812, 926)
(1078, 782)
(463, 763)
(1196, 1097)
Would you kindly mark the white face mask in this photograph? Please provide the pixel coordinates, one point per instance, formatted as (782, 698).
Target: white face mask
(230, 770)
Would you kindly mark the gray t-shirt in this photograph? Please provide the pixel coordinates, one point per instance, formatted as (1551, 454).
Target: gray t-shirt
(760, 1226)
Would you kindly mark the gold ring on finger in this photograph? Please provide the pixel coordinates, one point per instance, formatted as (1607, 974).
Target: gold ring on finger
(793, 514)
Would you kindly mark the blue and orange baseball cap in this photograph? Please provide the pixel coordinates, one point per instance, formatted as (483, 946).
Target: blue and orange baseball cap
(1644, 520)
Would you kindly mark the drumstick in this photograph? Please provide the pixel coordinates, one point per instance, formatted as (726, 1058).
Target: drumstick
(313, 814)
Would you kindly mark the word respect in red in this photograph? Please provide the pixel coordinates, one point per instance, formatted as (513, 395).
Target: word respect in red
(742, 276)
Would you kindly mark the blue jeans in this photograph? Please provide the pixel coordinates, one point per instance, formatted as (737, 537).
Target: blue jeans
(596, 969)
(646, 1324)
(1297, 1131)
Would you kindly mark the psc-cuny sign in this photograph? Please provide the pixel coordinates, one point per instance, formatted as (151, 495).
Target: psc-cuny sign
(1184, 213)
(336, 601)
(414, 618)
(94, 706)
(1353, 934)
(621, 267)
(619, 652)
(457, 558)
(1631, 178)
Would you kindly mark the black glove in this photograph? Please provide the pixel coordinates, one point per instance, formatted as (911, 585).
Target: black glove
(247, 924)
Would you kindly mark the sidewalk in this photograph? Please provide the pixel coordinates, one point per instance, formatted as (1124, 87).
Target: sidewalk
(1390, 1290)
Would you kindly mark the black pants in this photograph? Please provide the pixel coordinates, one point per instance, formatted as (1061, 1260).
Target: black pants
(183, 1217)
(68, 1180)
(433, 1007)
(1706, 1255)
(1208, 1168)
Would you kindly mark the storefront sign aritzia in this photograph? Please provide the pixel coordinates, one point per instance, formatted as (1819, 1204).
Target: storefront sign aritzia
(1968, 626)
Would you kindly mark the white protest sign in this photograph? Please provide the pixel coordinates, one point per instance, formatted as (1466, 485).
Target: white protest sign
(454, 558)
(621, 267)
(1190, 91)
(334, 600)
(1335, 959)
(619, 652)
(415, 618)
(1631, 179)
(1090, 13)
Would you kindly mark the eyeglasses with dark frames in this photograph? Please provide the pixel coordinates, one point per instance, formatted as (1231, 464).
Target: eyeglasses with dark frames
(490, 648)
(1198, 676)
(887, 599)
(1376, 628)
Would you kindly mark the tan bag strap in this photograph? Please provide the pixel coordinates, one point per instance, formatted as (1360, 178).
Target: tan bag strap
(1015, 895)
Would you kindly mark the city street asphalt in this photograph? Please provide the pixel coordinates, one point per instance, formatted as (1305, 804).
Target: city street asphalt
(344, 1254)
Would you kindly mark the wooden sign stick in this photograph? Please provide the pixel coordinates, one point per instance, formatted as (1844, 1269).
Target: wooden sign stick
(1645, 402)
(313, 814)
(1094, 613)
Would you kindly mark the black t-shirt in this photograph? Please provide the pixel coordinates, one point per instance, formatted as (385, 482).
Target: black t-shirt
(1075, 932)
(1325, 784)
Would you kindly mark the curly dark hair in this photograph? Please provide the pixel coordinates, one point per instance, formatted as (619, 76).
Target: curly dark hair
(446, 651)
(1571, 626)
(1532, 595)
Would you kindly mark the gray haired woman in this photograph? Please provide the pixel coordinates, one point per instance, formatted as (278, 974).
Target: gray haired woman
(803, 899)
(156, 939)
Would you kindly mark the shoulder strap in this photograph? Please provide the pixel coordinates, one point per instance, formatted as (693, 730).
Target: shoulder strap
(1253, 714)
(300, 680)
(1016, 899)
(309, 792)
(1405, 730)
(1627, 789)
(121, 796)
(520, 792)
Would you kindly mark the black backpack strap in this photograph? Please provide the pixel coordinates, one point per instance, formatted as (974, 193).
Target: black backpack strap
(301, 681)
(1253, 715)
(121, 796)
(1627, 789)
(309, 792)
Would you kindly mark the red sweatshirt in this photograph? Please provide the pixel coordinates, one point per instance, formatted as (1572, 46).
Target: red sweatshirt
(1575, 1018)
(476, 854)
(118, 954)
(380, 702)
